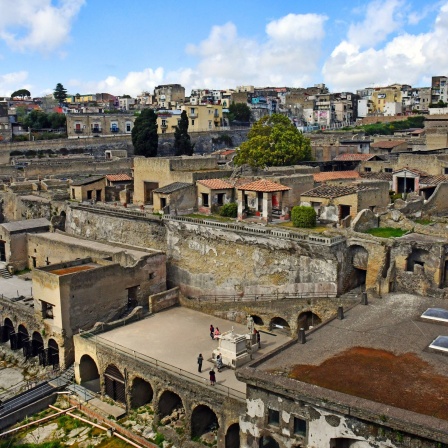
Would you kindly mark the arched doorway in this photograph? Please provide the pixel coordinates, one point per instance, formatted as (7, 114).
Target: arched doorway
(89, 375)
(114, 384)
(359, 259)
(168, 402)
(53, 352)
(233, 436)
(268, 442)
(142, 393)
(279, 325)
(307, 320)
(7, 330)
(37, 343)
(203, 420)
(257, 320)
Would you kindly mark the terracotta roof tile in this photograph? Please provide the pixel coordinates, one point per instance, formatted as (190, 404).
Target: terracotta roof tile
(215, 184)
(118, 177)
(387, 144)
(334, 191)
(263, 185)
(377, 176)
(334, 175)
(354, 157)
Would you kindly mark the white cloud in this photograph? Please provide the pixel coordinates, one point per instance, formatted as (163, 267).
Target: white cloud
(407, 58)
(10, 82)
(381, 19)
(288, 55)
(37, 24)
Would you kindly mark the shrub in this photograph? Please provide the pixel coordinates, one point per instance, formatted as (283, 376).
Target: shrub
(230, 210)
(302, 216)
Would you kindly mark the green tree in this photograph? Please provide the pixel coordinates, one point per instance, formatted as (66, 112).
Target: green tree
(302, 216)
(182, 141)
(21, 114)
(144, 134)
(239, 112)
(22, 93)
(37, 119)
(273, 141)
(60, 94)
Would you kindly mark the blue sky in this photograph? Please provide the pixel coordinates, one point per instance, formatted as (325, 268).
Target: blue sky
(125, 47)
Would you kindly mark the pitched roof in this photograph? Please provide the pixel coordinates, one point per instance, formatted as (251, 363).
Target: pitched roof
(334, 175)
(118, 177)
(334, 191)
(87, 181)
(170, 188)
(430, 181)
(412, 170)
(387, 144)
(377, 176)
(354, 157)
(215, 184)
(263, 185)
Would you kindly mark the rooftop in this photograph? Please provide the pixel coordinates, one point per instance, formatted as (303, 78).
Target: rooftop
(354, 157)
(215, 184)
(377, 352)
(171, 188)
(27, 224)
(334, 175)
(387, 144)
(263, 185)
(87, 181)
(73, 269)
(118, 177)
(335, 191)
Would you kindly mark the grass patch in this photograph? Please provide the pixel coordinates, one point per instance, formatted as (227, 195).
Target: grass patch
(22, 272)
(386, 232)
(209, 217)
(290, 226)
(423, 222)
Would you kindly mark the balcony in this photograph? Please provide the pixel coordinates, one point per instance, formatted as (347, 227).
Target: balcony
(193, 115)
(79, 131)
(96, 130)
(114, 130)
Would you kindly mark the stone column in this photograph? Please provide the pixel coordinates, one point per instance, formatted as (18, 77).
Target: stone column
(267, 206)
(240, 200)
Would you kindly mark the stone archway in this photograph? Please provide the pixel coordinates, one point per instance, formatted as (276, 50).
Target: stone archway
(7, 330)
(358, 257)
(37, 344)
(53, 352)
(307, 320)
(22, 337)
(89, 374)
(279, 325)
(203, 420)
(233, 436)
(257, 320)
(168, 402)
(114, 384)
(141, 393)
(268, 442)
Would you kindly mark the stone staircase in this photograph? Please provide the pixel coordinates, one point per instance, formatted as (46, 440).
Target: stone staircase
(4, 272)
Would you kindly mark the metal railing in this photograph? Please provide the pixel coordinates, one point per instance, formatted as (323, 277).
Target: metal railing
(184, 374)
(263, 297)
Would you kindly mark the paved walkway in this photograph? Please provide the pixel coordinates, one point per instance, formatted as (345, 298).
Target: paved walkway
(177, 336)
(14, 287)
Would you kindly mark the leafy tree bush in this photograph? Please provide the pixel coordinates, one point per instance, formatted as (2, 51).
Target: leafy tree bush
(230, 210)
(60, 93)
(22, 93)
(239, 112)
(303, 216)
(273, 141)
(144, 134)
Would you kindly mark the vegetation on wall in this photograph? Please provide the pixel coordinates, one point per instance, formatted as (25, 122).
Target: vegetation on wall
(390, 128)
(303, 216)
(239, 112)
(273, 141)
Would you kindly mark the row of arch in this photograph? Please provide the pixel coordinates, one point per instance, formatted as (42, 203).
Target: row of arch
(31, 343)
(202, 419)
(305, 320)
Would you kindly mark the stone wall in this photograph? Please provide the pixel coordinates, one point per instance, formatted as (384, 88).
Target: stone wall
(163, 300)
